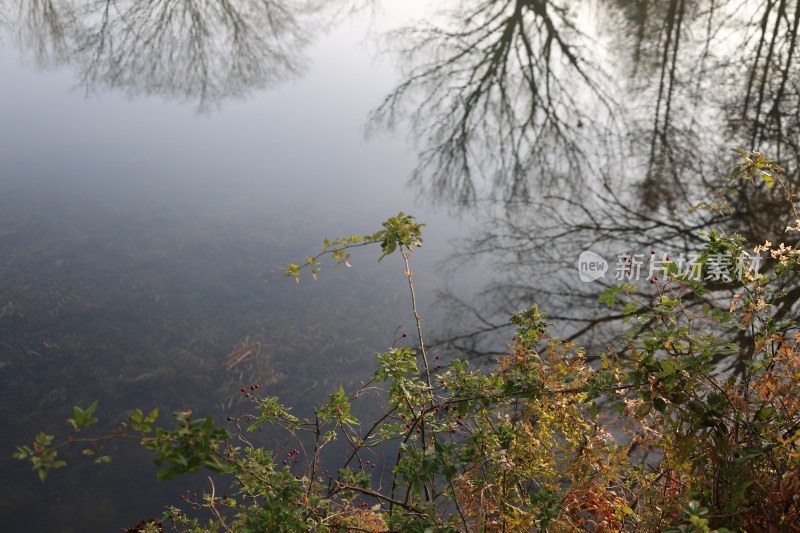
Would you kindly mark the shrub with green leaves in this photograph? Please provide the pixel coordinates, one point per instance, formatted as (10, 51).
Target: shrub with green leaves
(652, 438)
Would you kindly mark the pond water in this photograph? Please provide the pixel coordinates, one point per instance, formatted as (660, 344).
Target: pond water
(161, 162)
(143, 232)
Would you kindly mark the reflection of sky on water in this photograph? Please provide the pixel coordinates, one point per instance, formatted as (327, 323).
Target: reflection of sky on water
(140, 241)
(284, 140)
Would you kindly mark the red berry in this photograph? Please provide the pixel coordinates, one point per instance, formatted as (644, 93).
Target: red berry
(404, 335)
(242, 389)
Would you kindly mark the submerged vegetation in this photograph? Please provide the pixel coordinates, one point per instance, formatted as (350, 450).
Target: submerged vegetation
(653, 438)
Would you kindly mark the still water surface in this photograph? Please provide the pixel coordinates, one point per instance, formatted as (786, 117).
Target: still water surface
(143, 230)
(161, 161)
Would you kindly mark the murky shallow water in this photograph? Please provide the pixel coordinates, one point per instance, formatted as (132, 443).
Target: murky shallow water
(140, 309)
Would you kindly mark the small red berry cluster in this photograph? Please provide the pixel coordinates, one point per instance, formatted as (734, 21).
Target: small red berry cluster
(360, 504)
(439, 367)
(253, 388)
(654, 279)
(190, 498)
(291, 456)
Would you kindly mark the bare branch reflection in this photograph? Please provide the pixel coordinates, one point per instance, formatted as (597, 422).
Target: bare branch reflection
(702, 76)
(767, 115)
(208, 50)
(564, 125)
(205, 51)
(503, 92)
(46, 27)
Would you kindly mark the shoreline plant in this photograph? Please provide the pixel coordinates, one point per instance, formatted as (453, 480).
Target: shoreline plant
(653, 438)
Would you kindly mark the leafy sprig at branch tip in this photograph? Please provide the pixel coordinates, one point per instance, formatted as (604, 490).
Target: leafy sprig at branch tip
(400, 231)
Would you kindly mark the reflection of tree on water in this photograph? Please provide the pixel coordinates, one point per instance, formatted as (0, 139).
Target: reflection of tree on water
(526, 90)
(769, 110)
(665, 127)
(209, 49)
(506, 89)
(594, 125)
(203, 50)
(688, 99)
(43, 26)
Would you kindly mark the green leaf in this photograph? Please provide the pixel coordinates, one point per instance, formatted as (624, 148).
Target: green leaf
(659, 404)
(643, 410)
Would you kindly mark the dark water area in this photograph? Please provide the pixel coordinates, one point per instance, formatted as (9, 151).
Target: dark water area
(161, 162)
(139, 309)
